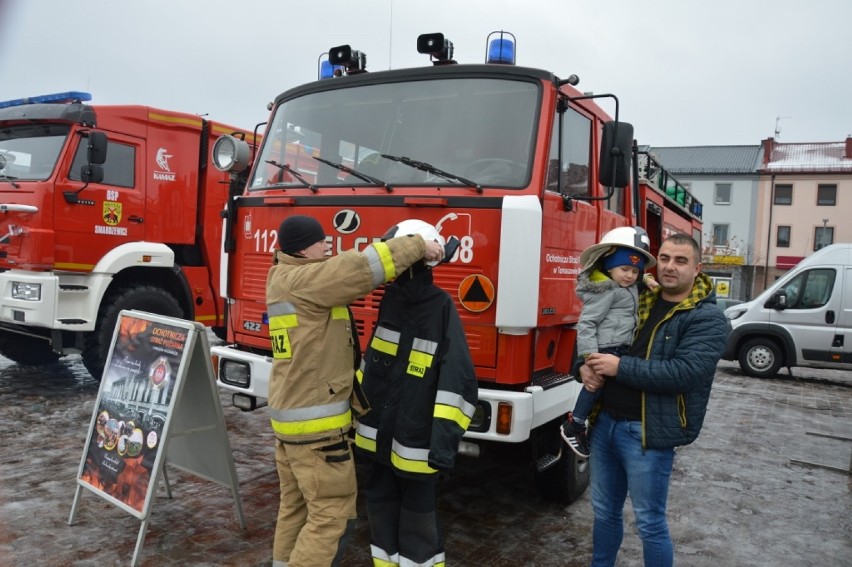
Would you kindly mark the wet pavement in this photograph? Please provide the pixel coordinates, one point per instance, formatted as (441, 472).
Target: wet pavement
(766, 484)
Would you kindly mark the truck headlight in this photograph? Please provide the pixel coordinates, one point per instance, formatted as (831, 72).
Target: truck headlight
(234, 373)
(481, 420)
(26, 291)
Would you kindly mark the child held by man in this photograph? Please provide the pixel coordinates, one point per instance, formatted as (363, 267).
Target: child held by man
(608, 287)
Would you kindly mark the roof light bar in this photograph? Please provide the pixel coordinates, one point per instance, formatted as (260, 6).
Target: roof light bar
(500, 49)
(56, 98)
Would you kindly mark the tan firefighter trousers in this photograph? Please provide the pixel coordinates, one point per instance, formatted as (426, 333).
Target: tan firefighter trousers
(318, 491)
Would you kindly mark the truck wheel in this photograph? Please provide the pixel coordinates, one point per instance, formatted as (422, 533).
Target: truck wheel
(142, 298)
(760, 358)
(25, 350)
(566, 480)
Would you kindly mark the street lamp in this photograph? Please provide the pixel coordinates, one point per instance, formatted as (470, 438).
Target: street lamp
(823, 244)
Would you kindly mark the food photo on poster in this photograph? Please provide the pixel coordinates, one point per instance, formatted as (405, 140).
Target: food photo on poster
(132, 409)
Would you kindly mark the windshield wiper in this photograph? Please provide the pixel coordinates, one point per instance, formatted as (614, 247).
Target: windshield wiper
(358, 174)
(11, 180)
(5, 177)
(292, 171)
(429, 168)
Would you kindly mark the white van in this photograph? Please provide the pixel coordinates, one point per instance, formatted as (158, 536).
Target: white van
(803, 319)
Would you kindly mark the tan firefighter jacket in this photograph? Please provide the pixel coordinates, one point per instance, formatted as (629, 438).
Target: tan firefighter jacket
(311, 333)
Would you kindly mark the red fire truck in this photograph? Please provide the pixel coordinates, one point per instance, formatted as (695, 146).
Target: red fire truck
(104, 208)
(524, 169)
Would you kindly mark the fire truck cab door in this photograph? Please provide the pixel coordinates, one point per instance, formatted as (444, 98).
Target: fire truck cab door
(105, 214)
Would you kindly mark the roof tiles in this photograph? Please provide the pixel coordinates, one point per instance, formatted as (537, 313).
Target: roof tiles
(709, 160)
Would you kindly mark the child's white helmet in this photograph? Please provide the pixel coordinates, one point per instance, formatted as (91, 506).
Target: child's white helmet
(633, 237)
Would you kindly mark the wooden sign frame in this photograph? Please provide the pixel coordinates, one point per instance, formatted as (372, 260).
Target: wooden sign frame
(157, 404)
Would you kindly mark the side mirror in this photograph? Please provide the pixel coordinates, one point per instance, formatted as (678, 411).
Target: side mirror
(97, 150)
(777, 301)
(616, 149)
(91, 173)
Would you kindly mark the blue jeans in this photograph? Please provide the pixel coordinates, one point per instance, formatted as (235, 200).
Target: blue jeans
(585, 404)
(620, 467)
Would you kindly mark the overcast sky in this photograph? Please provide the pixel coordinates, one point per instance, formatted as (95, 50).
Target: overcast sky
(687, 72)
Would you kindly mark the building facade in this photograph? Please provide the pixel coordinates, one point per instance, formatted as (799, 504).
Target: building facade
(804, 203)
(726, 181)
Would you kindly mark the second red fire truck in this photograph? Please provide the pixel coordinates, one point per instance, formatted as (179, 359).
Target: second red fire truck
(104, 208)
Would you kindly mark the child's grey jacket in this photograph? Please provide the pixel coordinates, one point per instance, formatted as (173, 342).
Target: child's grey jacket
(609, 314)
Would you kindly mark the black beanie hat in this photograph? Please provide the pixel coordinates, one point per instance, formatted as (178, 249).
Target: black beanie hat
(298, 232)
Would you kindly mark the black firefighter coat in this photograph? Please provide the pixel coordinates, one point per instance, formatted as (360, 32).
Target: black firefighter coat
(418, 377)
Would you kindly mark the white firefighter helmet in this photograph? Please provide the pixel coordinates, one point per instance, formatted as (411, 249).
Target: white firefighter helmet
(633, 237)
(416, 226)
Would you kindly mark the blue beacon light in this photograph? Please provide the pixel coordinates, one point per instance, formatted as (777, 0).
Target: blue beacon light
(501, 49)
(55, 98)
(329, 71)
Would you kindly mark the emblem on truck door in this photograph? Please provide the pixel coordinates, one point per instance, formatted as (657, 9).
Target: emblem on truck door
(112, 213)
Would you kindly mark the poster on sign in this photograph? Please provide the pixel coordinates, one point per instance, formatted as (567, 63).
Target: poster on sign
(158, 405)
(136, 398)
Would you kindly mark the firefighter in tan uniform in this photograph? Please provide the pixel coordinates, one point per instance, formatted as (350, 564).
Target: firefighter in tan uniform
(314, 353)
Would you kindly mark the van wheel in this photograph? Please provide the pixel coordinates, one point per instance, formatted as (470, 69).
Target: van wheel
(760, 358)
(140, 297)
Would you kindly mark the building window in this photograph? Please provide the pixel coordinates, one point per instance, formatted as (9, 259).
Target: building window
(823, 236)
(783, 195)
(720, 234)
(723, 194)
(783, 238)
(826, 195)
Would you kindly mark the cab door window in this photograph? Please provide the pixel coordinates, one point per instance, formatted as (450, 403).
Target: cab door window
(576, 141)
(119, 169)
(810, 289)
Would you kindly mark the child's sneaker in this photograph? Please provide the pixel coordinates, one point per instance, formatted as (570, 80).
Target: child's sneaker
(575, 436)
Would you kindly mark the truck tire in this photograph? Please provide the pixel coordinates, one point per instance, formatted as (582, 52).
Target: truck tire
(566, 480)
(25, 350)
(760, 357)
(142, 298)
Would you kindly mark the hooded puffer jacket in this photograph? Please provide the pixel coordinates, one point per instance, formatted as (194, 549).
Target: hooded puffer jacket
(609, 311)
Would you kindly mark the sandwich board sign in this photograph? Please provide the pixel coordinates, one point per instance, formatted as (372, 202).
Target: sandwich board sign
(157, 404)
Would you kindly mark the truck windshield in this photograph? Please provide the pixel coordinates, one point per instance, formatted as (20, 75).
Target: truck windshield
(28, 152)
(477, 130)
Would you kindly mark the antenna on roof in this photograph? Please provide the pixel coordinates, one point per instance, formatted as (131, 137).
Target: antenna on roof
(778, 120)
